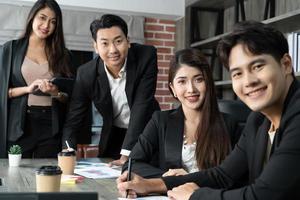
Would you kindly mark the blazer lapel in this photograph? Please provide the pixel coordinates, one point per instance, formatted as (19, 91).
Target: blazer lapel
(174, 138)
(261, 142)
(103, 97)
(103, 103)
(20, 52)
(131, 68)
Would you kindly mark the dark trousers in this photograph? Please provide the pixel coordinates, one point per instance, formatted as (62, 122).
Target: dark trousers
(115, 142)
(38, 141)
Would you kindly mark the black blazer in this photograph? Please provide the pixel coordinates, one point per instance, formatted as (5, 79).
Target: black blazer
(92, 86)
(279, 179)
(159, 148)
(13, 111)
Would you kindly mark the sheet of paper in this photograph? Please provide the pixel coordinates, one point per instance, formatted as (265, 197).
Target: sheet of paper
(147, 198)
(96, 170)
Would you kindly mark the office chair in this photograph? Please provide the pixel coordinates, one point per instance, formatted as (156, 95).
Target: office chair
(87, 150)
(238, 110)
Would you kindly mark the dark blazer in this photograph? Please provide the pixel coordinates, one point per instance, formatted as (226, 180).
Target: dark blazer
(13, 111)
(279, 179)
(159, 148)
(92, 86)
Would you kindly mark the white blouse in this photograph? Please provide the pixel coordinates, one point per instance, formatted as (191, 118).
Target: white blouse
(189, 162)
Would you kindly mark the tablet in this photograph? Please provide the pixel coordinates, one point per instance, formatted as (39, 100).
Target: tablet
(63, 84)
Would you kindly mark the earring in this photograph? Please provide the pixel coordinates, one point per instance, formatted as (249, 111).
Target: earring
(175, 95)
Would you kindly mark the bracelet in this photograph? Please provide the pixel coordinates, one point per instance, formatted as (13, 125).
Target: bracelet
(59, 95)
(10, 93)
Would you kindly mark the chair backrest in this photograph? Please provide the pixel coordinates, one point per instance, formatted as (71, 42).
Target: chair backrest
(238, 110)
(87, 151)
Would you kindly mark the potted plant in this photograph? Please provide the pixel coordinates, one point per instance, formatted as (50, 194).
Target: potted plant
(14, 155)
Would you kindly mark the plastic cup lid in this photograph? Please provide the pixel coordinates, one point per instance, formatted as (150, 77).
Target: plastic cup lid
(49, 170)
(66, 152)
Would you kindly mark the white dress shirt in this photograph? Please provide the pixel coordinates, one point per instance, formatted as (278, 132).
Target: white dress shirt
(271, 137)
(121, 110)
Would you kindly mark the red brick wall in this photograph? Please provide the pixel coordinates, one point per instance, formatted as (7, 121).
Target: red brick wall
(161, 34)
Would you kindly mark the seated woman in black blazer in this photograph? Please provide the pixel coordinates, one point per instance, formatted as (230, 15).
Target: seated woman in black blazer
(192, 137)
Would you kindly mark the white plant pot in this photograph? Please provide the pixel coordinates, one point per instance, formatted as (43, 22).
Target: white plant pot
(14, 159)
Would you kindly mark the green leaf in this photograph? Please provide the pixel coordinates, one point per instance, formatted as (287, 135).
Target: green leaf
(15, 149)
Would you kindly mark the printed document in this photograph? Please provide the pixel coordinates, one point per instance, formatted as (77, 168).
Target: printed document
(96, 170)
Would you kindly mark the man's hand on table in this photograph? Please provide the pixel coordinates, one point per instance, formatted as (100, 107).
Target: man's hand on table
(119, 162)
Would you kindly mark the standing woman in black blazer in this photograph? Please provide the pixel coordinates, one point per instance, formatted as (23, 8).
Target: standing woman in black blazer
(191, 137)
(32, 109)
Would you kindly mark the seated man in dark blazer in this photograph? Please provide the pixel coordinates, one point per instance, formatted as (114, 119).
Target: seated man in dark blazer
(268, 151)
(121, 83)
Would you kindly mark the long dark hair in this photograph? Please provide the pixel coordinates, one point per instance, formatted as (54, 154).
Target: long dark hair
(213, 142)
(57, 55)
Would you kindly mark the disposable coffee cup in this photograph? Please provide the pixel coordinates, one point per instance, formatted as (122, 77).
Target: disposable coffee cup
(48, 179)
(67, 161)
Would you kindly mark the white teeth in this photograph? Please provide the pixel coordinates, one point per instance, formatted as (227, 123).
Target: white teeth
(255, 93)
(114, 58)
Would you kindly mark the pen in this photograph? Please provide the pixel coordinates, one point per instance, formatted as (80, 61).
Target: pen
(129, 173)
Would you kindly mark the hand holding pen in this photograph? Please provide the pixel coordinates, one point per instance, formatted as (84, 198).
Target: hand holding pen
(130, 184)
(129, 173)
(125, 182)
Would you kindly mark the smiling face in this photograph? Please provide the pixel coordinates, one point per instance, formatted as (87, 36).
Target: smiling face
(259, 80)
(189, 87)
(112, 46)
(44, 23)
